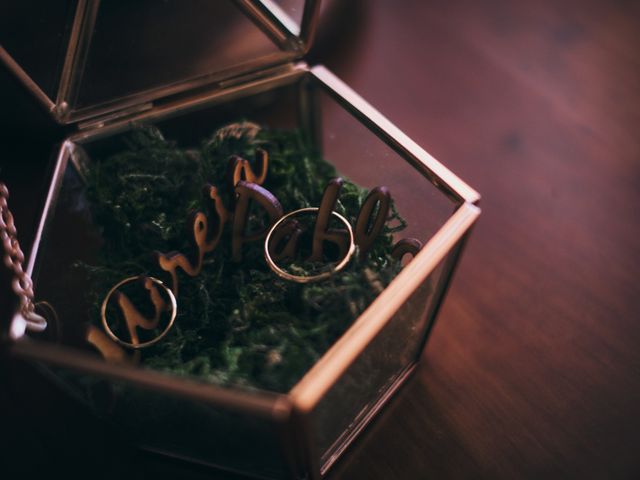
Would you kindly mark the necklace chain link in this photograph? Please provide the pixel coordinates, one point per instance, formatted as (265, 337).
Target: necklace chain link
(13, 259)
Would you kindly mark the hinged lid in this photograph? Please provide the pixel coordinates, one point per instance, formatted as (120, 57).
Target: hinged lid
(87, 58)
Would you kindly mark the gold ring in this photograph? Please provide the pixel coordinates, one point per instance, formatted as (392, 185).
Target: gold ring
(114, 337)
(314, 278)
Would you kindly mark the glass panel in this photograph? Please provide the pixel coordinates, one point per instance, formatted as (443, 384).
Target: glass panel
(293, 9)
(35, 33)
(185, 428)
(139, 46)
(370, 162)
(358, 393)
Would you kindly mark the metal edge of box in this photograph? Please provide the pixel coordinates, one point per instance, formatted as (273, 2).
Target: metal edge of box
(439, 175)
(307, 393)
(277, 25)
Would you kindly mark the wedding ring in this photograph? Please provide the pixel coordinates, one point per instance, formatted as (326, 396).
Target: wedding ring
(133, 318)
(313, 278)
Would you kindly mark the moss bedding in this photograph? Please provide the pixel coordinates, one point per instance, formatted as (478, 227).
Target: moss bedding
(237, 323)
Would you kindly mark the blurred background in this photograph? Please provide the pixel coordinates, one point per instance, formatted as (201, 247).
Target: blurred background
(533, 368)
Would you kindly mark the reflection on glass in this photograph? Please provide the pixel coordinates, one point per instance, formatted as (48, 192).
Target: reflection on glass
(396, 348)
(293, 9)
(35, 33)
(139, 46)
(187, 428)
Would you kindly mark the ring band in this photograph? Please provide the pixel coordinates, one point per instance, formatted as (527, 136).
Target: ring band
(114, 337)
(314, 278)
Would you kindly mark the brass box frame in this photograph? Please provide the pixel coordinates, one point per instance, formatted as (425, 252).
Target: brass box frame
(290, 412)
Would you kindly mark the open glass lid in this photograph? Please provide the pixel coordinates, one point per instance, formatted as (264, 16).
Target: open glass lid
(86, 58)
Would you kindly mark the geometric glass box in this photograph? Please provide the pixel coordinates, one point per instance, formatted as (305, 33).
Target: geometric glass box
(236, 60)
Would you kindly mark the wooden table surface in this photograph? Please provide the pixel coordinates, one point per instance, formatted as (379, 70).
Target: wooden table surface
(533, 368)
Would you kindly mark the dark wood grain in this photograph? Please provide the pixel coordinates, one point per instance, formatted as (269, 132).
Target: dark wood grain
(533, 369)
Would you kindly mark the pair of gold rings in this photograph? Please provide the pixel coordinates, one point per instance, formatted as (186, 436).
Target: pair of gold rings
(267, 255)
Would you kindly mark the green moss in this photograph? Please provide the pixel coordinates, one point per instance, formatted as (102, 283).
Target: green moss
(237, 323)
